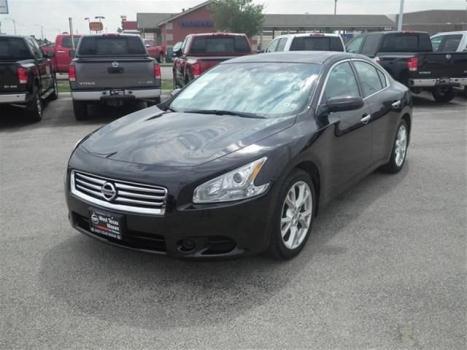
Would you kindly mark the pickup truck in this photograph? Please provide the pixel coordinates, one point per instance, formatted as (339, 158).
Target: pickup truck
(63, 51)
(155, 51)
(409, 58)
(307, 42)
(200, 52)
(113, 69)
(27, 77)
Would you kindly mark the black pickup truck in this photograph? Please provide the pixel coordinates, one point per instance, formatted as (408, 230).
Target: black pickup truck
(27, 76)
(409, 58)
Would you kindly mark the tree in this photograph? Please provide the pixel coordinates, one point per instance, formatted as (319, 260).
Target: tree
(238, 16)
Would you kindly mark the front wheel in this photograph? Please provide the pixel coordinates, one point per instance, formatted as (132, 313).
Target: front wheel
(294, 214)
(399, 149)
(443, 95)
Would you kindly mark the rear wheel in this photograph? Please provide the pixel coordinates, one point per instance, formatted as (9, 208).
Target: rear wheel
(294, 215)
(35, 107)
(399, 149)
(80, 109)
(443, 95)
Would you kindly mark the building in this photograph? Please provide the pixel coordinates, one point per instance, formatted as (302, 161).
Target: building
(168, 28)
(435, 21)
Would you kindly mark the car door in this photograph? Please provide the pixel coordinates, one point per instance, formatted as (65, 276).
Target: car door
(351, 149)
(384, 106)
(43, 66)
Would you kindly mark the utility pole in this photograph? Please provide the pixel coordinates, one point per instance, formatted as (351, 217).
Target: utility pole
(70, 23)
(401, 17)
(335, 7)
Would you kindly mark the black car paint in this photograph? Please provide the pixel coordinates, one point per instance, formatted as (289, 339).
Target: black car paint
(337, 150)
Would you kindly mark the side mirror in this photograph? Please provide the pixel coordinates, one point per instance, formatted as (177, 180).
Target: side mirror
(340, 104)
(174, 92)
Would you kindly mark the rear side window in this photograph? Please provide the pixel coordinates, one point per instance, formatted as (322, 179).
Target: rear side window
(405, 42)
(315, 43)
(66, 42)
(369, 78)
(341, 82)
(219, 44)
(111, 46)
(446, 43)
(14, 48)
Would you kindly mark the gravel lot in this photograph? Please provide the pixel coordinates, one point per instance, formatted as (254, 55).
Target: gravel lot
(385, 267)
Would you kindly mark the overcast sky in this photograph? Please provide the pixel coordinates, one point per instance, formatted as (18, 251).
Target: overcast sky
(53, 14)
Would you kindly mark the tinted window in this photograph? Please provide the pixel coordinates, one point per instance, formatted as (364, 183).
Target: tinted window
(35, 48)
(436, 42)
(14, 48)
(316, 43)
(220, 44)
(370, 47)
(449, 43)
(281, 45)
(369, 78)
(111, 46)
(341, 82)
(354, 45)
(406, 42)
(66, 42)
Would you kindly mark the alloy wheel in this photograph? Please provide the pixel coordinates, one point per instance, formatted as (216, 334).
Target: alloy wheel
(401, 145)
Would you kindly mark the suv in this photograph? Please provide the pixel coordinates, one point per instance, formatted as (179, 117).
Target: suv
(409, 58)
(307, 42)
(63, 51)
(112, 69)
(27, 76)
(200, 52)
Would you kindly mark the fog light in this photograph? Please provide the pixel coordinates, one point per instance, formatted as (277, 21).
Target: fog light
(187, 245)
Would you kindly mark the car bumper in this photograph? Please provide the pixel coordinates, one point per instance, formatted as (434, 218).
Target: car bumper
(215, 231)
(128, 94)
(13, 98)
(457, 82)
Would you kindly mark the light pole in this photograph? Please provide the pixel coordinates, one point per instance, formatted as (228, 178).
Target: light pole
(401, 17)
(89, 20)
(335, 7)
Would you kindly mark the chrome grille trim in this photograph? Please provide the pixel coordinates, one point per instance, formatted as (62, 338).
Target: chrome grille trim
(131, 197)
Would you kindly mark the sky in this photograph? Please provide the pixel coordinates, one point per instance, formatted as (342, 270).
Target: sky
(52, 15)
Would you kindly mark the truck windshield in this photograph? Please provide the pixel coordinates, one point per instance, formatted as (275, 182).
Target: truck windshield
(14, 49)
(219, 44)
(315, 43)
(111, 46)
(267, 90)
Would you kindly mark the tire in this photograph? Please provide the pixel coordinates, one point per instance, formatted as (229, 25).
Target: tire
(80, 109)
(283, 246)
(54, 95)
(443, 95)
(35, 107)
(398, 154)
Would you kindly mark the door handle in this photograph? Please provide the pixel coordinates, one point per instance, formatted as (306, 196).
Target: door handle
(365, 118)
(396, 104)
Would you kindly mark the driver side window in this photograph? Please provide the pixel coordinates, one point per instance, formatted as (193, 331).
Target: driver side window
(341, 82)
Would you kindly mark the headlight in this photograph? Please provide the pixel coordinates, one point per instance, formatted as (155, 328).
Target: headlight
(234, 185)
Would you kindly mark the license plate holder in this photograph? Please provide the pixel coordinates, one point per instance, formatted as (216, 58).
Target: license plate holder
(106, 223)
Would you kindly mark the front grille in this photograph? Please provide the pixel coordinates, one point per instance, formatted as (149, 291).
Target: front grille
(124, 196)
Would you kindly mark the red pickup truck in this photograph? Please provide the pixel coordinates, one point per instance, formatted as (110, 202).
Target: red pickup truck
(155, 51)
(200, 52)
(63, 51)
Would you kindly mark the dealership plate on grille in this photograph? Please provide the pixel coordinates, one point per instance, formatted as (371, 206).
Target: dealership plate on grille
(105, 223)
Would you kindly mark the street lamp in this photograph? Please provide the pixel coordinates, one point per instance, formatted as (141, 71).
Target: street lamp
(401, 16)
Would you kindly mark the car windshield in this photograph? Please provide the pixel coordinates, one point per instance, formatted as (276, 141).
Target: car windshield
(264, 89)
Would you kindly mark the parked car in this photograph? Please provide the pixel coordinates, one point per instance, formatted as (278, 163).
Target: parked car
(240, 160)
(155, 51)
(112, 69)
(409, 58)
(63, 51)
(200, 52)
(307, 42)
(27, 76)
(450, 42)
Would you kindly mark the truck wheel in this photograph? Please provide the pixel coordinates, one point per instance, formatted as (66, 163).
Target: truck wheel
(35, 107)
(80, 109)
(443, 95)
(54, 95)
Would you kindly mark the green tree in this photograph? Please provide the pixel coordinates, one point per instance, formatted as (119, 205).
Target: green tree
(238, 16)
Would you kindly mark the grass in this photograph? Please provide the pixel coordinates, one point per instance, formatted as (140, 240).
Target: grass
(64, 86)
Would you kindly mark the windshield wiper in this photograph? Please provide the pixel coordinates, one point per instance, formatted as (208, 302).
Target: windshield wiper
(222, 112)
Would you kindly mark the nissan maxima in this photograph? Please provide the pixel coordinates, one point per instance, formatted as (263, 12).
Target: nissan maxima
(241, 159)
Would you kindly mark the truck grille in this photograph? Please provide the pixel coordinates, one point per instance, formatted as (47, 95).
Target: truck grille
(119, 195)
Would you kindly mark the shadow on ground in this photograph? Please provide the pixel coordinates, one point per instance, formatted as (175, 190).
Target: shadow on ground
(148, 291)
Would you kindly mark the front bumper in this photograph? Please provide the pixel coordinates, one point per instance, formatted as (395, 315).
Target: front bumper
(455, 82)
(13, 98)
(127, 94)
(226, 230)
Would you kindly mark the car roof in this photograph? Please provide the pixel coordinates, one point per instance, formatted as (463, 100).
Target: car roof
(450, 33)
(300, 35)
(216, 33)
(316, 57)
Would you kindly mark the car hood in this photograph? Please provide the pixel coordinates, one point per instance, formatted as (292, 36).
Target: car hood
(155, 137)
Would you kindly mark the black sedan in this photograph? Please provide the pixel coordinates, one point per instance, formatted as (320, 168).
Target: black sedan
(240, 160)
